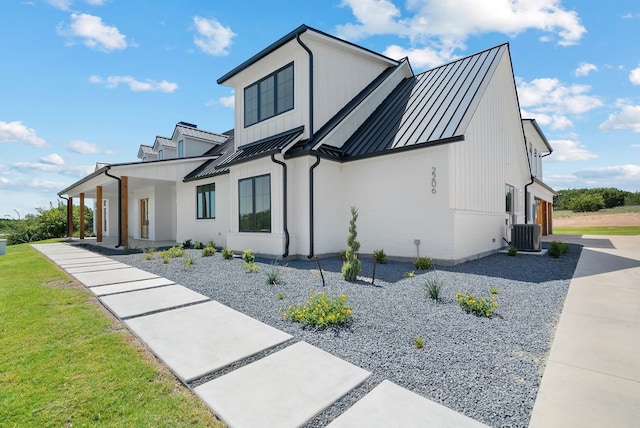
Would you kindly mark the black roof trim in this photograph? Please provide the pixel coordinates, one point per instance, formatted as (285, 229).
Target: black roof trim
(284, 40)
(263, 147)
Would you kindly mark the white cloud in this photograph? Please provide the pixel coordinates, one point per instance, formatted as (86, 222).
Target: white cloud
(627, 119)
(619, 176)
(148, 85)
(227, 101)
(550, 101)
(635, 146)
(85, 148)
(52, 159)
(569, 150)
(422, 58)
(16, 132)
(30, 167)
(66, 4)
(634, 76)
(584, 68)
(213, 38)
(95, 33)
(452, 22)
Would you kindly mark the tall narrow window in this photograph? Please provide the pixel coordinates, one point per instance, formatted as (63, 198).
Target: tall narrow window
(509, 199)
(160, 154)
(269, 97)
(206, 201)
(254, 198)
(181, 149)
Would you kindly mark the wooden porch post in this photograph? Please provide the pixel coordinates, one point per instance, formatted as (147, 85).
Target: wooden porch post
(81, 215)
(98, 213)
(70, 217)
(124, 210)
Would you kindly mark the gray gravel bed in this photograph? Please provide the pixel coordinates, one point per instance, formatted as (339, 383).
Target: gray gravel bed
(486, 368)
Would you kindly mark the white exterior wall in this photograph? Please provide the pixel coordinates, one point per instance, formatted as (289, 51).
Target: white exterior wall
(164, 216)
(493, 154)
(262, 243)
(203, 230)
(340, 73)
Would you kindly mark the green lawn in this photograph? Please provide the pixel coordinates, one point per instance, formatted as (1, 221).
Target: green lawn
(64, 361)
(597, 230)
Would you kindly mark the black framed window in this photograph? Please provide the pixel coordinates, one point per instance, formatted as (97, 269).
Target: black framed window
(254, 198)
(206, 201)
(269, 97)
(509, 191)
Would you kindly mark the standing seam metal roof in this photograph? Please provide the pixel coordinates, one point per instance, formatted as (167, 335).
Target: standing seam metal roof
(426, 108)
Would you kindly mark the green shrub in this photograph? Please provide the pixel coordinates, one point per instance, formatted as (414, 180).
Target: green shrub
(274, 276)
(165, 257)
(351, 267)
(248, 256)
(227, 253)
(251, 267)
(379, 256)
(208, 251)
(197, 245)
(480, 306)
(410, 274)
(558, 248)
(587, 203)
(280, 296)
(493, 290)
(512, 251)
(423, 263)
(186, 243)
(433, 287)
(175, 251)
(418, 342)
(320, 310)
(343, 255)
(148, 255)
(187, 261)
(210, 243)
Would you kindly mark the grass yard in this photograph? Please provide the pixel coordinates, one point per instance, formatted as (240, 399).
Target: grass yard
(597, 230)
(65, 361)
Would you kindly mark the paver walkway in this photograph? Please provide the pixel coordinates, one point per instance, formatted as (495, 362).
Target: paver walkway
(196, 336)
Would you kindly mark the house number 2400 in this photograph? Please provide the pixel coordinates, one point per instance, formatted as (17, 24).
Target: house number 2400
(433, 180)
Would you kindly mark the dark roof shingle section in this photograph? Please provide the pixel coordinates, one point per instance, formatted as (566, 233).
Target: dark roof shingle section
(427, 108)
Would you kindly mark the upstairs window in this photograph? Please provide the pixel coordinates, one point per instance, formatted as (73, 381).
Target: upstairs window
(254, 195)
(160, 154)
(206, 201)
(269, 97)
(180, 149)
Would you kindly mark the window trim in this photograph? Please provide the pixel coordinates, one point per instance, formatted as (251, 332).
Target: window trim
(181, 148)
(198, 192)
(510, 199)
(254, 229)
(256, 84)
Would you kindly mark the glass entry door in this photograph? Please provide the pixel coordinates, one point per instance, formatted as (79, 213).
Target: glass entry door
(144, 218)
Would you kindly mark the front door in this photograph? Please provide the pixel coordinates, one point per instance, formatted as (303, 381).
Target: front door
(144, 218)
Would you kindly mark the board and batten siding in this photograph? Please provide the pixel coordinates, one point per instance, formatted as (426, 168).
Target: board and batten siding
(395, 201)
(491, 155)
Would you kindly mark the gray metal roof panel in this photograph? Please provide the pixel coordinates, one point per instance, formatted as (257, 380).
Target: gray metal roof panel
(202, 135)
(426, 108)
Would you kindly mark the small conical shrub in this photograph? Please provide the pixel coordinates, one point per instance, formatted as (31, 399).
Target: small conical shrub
(351, 267)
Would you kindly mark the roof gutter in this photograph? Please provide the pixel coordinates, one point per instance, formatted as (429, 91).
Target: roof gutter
(106, 172)
(284, 204)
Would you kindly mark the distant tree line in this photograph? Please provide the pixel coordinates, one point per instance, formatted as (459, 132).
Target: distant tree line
(582, 200)
(46, 224)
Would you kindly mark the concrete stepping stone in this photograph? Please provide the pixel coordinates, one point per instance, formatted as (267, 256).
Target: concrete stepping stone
(390, 405)
(103, 290)
(96, 268)
(285, 389)
(91, 279)
(85, 262)
(202, 338)
(144, 301)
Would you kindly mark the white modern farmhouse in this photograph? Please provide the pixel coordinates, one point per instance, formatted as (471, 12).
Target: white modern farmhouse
(439, 164)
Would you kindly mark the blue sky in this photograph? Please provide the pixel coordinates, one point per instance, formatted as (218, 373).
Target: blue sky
(86, 81)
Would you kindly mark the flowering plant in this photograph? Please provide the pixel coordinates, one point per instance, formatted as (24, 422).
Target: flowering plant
(320, 310)
(480, 306)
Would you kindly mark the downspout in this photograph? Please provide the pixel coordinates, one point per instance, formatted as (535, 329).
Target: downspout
(284, 204)
(526, 208)
(311, 135)
(106, 172)
(317, 162)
